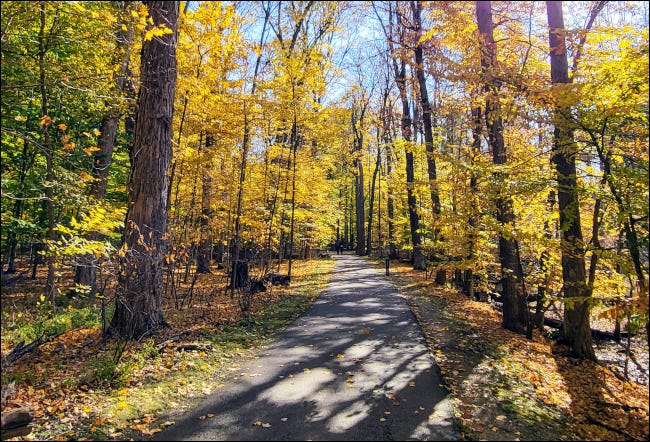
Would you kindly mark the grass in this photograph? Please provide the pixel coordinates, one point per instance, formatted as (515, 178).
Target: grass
(27, 328)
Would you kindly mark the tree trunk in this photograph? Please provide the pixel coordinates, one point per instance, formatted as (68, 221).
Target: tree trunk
(138, 305)
(418, 259)
(49, 157)
(372, 201)
(357, 129)
(205, 243)
(515, 307)
(427, 124)
(474, 208)
(85, 271)
(576, 329)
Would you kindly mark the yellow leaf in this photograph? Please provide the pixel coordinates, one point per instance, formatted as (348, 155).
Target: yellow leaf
(69, 146)
(89, 150)
(266, 425)
(46, 120)
(42, 298)
(62, 126)
(20, 118)
(85, 176)
(96, 132)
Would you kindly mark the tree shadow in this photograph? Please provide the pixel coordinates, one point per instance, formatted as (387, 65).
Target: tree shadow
(594, 404)
(353, 367)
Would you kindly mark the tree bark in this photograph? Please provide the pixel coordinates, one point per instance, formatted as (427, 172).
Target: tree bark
(205, 243)
(372, 202)
(515, 307)
(48, 149)
(138, 305)
(576, 330)
(85, 271)
(357, 124)
(418, 259)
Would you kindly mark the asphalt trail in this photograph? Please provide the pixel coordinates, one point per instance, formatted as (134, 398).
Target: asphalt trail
(354, 366)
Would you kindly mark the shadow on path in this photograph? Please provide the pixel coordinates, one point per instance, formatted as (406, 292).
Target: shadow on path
(355, 366)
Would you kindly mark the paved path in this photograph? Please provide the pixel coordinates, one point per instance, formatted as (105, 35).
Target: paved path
(355, 366)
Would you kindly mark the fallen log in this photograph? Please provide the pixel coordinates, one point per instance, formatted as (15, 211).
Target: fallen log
(15, 432)
(16, 417)
(20, 349)
(597, 334)
(277, 279)
(15, 422)
(194, 347)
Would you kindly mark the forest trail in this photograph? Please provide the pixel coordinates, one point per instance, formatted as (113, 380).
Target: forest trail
(355, 366)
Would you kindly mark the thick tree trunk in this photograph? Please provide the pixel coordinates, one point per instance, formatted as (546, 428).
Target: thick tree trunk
(576, 329)
(418, 260)
(427, 123)
(138, 306)
(515, 308)
(427, 127)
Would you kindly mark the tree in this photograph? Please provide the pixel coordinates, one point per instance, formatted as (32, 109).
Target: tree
(399, 68)
(85, 272)
(358, 127)
(515, 306)
(138, 305)
(577, 329)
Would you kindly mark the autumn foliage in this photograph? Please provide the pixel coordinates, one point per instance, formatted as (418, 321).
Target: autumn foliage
(500, 146)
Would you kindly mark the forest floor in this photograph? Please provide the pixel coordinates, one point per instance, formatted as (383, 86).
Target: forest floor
(82, 388)
(503, 386)
(506, 387)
